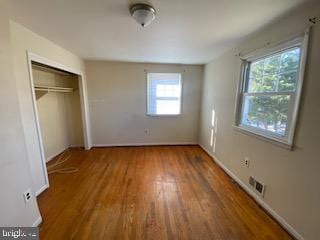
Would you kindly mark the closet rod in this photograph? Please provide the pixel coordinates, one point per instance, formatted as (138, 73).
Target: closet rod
(52, 89)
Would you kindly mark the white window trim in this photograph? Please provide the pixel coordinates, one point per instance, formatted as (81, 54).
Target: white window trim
(288, 140)
(147, 90)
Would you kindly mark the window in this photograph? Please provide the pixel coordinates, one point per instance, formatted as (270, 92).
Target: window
(164, 94)
(270, 90)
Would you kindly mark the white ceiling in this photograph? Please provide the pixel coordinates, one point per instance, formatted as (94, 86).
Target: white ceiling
(185, 31)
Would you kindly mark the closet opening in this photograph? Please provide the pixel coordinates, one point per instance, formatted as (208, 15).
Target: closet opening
(61, 117)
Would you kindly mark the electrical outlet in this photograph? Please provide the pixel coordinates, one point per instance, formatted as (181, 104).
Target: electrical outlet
(27, 195)
(247, 162)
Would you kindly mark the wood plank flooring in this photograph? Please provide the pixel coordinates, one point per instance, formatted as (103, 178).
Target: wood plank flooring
(167, 192)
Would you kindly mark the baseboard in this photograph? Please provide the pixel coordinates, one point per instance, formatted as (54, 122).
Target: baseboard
(48, 159)
(37, 222)
(262, 203)
(76, 146)
(42, 189)
(142, 144)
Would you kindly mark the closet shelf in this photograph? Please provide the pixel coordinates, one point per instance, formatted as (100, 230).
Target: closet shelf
(44, 88)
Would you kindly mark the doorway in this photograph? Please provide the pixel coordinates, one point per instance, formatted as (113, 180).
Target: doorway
(60, 110)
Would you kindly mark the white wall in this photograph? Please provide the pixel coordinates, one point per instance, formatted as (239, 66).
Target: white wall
(24, 40)
(14, 169)
(292, 177)
(74, 118)
(53, 124)
(117, 97)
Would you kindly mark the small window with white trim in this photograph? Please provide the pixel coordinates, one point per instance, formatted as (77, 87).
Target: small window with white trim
(270, 90)
(164, 94)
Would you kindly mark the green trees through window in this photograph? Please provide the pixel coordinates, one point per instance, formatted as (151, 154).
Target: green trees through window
(270, 87)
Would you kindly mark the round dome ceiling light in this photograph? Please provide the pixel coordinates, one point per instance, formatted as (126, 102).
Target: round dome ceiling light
(143, 13)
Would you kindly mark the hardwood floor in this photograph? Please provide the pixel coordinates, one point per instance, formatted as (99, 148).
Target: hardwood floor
(167, 192)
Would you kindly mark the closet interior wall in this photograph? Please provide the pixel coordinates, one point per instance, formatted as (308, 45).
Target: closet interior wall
(59, 112)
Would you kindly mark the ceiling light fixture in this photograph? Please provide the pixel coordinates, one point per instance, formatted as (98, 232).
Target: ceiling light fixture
(143, 13)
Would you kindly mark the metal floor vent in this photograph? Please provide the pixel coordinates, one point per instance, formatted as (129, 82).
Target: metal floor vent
(257, 186)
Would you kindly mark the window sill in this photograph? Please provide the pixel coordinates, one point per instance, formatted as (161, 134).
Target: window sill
(270, 139)
(163, 115)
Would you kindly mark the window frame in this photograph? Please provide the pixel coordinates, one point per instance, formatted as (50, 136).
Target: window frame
(148, 95)
(295, 96)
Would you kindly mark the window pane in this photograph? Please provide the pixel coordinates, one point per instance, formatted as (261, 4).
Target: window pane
(271, 65)
(255, 84)
(268, 113)
(167, 107)
(290, 60)
(164, 93)
(257, 69)
(269, 83)
(168, 90)
(287, 81)
(275, 73)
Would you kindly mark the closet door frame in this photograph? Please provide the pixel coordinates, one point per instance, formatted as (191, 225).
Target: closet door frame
(32, 57)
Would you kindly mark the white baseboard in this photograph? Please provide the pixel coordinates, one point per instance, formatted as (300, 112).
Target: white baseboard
(142, 144)
(48, 159)
(262, 203)
(37, 222)
(42, 189)
(76, 146)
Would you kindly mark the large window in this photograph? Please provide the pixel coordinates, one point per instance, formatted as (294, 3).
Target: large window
(270, 90)
(164, 94)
